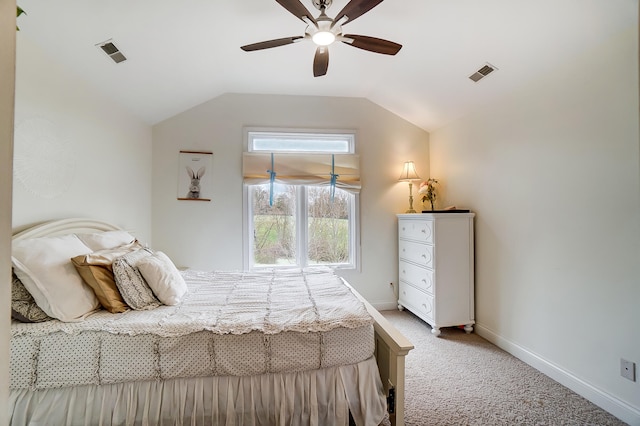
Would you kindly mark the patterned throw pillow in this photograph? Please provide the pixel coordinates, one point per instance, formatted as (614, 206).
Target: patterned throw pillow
(23, 307)
(134, 289)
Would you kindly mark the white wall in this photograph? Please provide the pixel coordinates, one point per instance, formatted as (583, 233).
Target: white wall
(7, 71)
(208, 235)
(91, 158)
(553, 173)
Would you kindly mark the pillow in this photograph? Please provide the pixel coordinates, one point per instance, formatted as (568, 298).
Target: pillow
(96, 270)
(43, 266)
(163, 277)
(23, 307)
(133, 288)
(106, 240)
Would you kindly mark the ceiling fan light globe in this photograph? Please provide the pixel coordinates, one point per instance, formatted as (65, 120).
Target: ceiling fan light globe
(323, 38)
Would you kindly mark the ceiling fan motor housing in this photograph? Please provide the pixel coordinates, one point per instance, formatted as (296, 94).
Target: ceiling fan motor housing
(320, 4)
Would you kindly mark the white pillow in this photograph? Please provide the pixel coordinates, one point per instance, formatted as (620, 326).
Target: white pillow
(44, 267)
(163, 277)
(106, 240)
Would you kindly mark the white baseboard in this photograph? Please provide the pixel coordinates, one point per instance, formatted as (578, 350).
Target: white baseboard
(613, 405)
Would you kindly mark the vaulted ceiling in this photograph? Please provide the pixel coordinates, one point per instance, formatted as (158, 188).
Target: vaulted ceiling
(182, 53)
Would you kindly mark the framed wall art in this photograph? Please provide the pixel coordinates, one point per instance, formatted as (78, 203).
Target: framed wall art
(195, 176)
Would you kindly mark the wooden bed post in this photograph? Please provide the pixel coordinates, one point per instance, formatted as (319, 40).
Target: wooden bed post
(391, 348)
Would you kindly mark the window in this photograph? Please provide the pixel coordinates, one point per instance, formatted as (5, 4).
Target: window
(301, 142)
(300, 215)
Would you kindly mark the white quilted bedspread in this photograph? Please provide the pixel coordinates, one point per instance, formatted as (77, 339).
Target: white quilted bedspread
(229, 324)
(304, 300)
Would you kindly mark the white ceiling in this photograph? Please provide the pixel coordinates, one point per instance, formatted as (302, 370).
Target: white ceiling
(184, 52)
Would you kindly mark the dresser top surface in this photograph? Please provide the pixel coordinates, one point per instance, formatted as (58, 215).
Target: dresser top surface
(419, 216)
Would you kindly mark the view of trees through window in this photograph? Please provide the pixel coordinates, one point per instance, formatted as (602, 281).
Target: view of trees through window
(275, 232)
(328, 225)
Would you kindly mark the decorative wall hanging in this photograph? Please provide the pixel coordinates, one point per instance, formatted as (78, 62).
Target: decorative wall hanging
(195, 176)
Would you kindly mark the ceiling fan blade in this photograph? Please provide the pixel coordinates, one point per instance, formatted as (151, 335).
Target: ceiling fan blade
(321, 61)
(372, 44)
(356, 8)
(270, 43)
(295, 7)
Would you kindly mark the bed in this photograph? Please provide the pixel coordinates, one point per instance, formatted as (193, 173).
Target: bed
(230, 348)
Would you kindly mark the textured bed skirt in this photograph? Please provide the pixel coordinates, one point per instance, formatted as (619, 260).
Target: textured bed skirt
(319, 397)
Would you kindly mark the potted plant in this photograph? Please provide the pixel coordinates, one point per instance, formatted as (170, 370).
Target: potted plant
(428, 191)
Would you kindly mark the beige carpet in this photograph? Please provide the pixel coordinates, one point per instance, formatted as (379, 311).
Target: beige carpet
(462, 379)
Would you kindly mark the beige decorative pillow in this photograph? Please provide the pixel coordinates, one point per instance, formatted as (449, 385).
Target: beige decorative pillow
(96, 270)
(163, 277)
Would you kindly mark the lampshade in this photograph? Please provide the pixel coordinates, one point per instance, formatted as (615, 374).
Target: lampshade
(409, 172)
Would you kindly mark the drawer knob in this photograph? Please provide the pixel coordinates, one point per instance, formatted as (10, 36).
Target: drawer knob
(424, 255)
(424, 231)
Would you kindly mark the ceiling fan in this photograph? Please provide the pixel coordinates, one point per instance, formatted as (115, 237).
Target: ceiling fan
(323, 31)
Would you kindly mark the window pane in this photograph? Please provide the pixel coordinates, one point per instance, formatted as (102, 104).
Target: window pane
(274, 227)
(328, 226)
(307, 142)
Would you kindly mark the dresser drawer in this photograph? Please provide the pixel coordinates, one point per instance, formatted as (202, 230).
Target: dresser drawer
(417, 276)
(421, 303)
(419, 230)
(421, 254)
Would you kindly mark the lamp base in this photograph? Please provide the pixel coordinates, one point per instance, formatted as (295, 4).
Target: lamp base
(411, 210)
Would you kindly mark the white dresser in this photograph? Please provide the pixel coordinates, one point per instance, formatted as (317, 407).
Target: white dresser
(436, 275)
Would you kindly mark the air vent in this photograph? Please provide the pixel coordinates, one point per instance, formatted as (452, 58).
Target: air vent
(112, 51)
(482, 72)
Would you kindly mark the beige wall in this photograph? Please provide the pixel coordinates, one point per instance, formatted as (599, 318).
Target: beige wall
(553, 175)
(208, 235)
(7, 71)
(98, 157)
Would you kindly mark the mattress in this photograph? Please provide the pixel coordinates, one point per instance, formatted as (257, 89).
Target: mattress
(229, 324)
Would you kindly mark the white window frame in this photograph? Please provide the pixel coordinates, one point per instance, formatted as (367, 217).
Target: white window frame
(310, 134)
(302, 205)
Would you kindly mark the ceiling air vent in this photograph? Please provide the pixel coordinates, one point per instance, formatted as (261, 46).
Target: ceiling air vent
(112, 51)
(482, 72)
